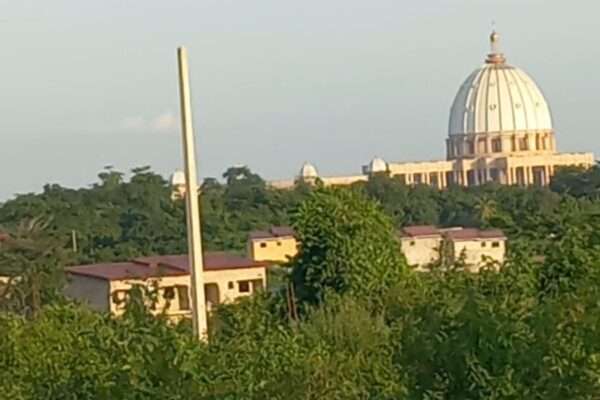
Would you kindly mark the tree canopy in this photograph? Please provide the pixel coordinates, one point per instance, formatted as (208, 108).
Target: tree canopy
(368, 328)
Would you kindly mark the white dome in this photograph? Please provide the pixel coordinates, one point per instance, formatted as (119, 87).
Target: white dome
(308, 171)
(178, 178)
(377, 165)
(499, 98)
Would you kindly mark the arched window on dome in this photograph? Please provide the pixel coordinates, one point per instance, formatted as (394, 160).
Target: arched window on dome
(523, 145)
(471, 146)
(496, 145)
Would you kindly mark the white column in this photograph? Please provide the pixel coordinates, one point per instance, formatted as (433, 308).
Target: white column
(195, 256)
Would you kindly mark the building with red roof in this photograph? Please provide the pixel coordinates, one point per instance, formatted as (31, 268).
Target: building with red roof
(277, 244)
(106, 286)
(424, 244)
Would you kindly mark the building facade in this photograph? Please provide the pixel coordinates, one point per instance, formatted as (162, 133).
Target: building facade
(106, 287)
(420, 244)
(424, 245)
(500, 130)
(278, 244)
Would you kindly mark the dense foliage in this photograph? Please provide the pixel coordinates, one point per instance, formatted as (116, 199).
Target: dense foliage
(348, 247)
(528, 331)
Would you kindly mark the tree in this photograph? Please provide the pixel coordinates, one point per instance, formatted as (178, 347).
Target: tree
(347, 246)
(34, 261)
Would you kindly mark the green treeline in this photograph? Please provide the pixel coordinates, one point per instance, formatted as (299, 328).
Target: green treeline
(115, 219)
(361, 325)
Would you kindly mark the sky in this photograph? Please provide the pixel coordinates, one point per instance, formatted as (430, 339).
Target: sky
(275, 83)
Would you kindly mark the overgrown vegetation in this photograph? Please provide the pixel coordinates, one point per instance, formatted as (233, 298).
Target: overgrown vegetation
(364, 326)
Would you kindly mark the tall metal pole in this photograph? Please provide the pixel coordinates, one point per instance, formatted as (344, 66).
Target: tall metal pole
(194, 233)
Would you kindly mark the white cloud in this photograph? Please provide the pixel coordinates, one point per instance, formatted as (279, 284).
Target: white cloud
(166, 122)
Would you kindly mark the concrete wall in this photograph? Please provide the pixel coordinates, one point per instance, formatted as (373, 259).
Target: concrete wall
(229, 281)
(477, 250)
(119, 292)
(420, 251)
(173, 294)
(277, 249)
(92, 291)
(221, 286)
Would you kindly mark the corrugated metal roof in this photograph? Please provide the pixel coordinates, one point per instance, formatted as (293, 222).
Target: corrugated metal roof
(273, 232)
(157, 266)
(420, 230)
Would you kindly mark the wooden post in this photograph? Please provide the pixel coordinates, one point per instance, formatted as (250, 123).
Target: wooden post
(195, 257)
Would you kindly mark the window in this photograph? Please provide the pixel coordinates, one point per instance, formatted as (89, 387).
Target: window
(412, 242)
(244, 286)
(471, 146)
(495, 244)
(523, 143)
(263, 245)
(278, 243)
(496, 145)
(471, 177)
(230, 285)
(483, 244)
(183, 296)
(433, 179)
(119, 297)
(417, 178)
(169, 293)
(450, 178)
(495, 174)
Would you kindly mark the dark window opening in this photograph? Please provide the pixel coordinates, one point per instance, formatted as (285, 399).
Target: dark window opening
(183, 296)
(523, 144)
(244, 286)
(496, 145)
(169, 293)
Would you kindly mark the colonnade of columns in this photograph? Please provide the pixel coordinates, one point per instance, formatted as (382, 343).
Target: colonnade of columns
(513, 175)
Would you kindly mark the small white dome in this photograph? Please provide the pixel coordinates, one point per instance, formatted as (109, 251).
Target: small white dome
(377, 165)
(498, 98)
(308, 171)
(178, 178)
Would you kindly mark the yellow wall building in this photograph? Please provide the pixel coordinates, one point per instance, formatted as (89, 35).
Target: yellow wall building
(278, 244)
(105, 287)
(422, 245)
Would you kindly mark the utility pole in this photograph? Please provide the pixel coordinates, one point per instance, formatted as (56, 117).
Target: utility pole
(74, 240)
(194, 234)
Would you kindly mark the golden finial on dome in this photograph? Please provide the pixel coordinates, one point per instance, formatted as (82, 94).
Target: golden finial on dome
(495, 56)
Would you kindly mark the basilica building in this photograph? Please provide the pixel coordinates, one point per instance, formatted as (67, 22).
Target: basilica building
(500, 130)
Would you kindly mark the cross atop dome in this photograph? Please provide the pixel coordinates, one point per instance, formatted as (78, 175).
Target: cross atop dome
(495, 56)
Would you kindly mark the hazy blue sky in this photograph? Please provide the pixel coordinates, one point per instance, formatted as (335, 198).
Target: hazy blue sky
(84, 84)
